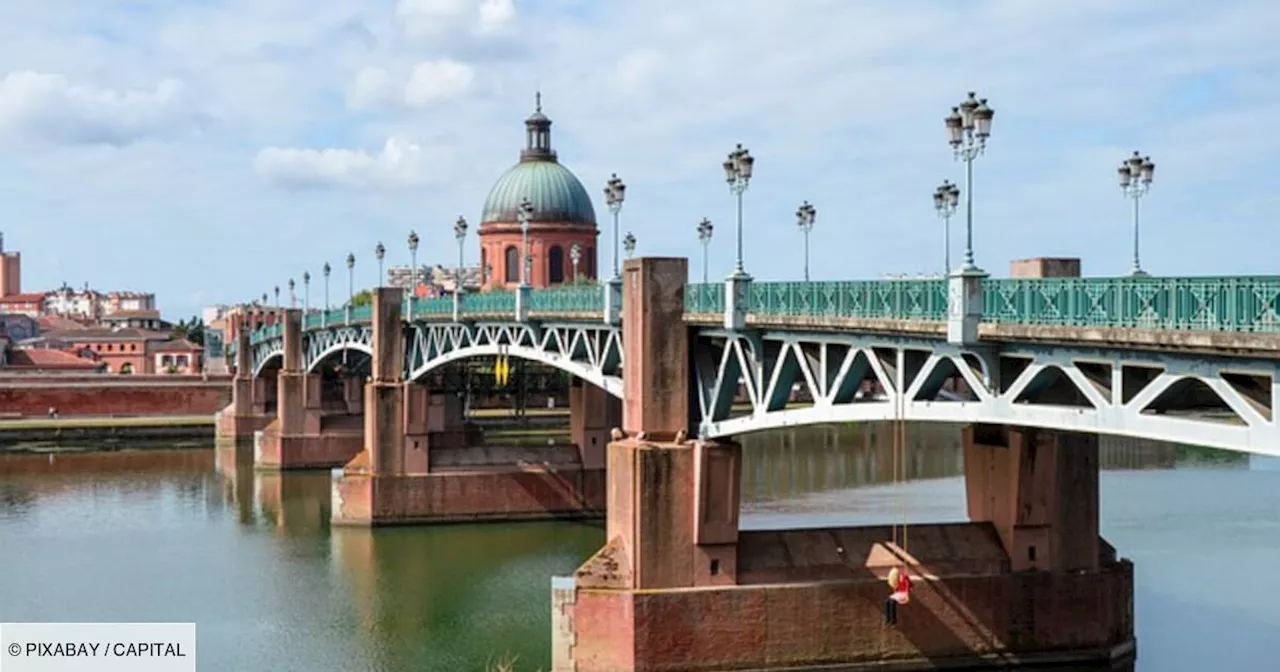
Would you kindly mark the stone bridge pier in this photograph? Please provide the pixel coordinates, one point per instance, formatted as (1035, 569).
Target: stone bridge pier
(421, 464)
(248, 411)
(678, 586)
(298, 437)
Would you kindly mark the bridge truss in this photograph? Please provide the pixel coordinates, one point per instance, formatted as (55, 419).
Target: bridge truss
(591, 351)
(1222, 402)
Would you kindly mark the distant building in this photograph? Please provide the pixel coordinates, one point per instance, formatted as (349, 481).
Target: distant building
(176, 356)
(30, 304)
(10, 271)
(136, 319)
(123, 351)
(43, 360)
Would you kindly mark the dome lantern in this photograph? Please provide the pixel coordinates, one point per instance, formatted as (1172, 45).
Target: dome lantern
(537, 135)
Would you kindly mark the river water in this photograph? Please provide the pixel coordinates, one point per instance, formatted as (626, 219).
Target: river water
(180, 535)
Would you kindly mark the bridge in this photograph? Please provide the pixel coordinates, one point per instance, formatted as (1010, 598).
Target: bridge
(1191, 360)
(1036, 370)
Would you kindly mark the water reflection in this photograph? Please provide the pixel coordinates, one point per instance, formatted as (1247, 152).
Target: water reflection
(199, 535)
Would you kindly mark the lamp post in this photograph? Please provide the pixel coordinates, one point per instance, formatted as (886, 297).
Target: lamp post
(351, 283)
(614, 193)
(1135, 181)
(704, 236)
(945, 199)
(629, 244)
(460, 233)
(379, 251)
(413, 270)
(806, 214)
(968, 127)
(326, 270)
(306, 293)
(524, 214)
(575, 255)
(737, 172)
(277, 292)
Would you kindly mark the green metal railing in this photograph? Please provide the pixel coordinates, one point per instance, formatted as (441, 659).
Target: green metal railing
(1233, 304)
(1223, 304)
(569, 299)
(883, 299)
(489, 303)
(704, 298)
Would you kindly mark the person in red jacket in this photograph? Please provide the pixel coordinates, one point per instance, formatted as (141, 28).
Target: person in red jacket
(901, 584)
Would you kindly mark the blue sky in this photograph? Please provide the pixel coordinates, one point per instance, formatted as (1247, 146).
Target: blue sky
(209, 150)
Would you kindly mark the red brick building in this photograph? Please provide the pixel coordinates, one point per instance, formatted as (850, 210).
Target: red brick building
(562, 216)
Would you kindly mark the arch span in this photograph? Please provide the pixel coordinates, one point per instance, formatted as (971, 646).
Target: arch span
(315, 360)
(273, 357)
(592, 352)
(1214, 402)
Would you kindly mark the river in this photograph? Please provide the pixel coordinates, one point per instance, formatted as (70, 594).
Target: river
(180, 535)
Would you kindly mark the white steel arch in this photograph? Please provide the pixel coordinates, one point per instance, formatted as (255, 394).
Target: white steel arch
(592, 351)
(1177, 397)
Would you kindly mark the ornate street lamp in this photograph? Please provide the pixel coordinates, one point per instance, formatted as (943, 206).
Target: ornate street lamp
(277, 291)
(413, 270)
(704, 236)
(306, 293)
(351, 278)
(524, 214)
(459, 233)
(806, 214)
(968, 127)
(379, 251)
(1135, 181)
(945, 199)
(629, 244)
(614, 193)
(326, 270)
(575, 256)
(737, 172)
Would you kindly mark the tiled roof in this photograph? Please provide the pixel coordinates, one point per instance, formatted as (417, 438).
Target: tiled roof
(108, 335)
(49, 359)
(29, 297)
(59, 323)
(132, 314)
(176, 345)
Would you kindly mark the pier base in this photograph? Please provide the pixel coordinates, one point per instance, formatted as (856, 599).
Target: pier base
(814, 599)
(231, 427)
(326, 450)
(498, 494)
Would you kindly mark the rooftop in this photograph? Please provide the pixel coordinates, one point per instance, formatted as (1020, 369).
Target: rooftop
(49, 359)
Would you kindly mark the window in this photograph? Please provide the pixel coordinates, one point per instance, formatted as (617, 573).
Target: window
(484, 264)
(591, 262)
(555, 265)
(512, 264)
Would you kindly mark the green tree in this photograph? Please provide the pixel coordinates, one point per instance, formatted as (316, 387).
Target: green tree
(191, 330)
(364, 298)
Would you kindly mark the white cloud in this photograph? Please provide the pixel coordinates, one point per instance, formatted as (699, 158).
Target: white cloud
(49, 108)
(428, 83)
(372, 88)
(436, 18)
(841, 102)
(399, 164)
(437, 81)
(496, 15)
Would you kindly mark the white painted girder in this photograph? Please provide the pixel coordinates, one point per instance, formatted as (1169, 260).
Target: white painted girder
(765, 361)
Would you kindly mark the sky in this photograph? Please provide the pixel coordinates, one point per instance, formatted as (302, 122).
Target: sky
(209, 150)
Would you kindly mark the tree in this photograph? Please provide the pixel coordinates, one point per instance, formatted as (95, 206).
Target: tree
(364, 298)
(191, 330)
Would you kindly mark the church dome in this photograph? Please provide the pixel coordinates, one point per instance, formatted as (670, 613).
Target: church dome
(553, 190)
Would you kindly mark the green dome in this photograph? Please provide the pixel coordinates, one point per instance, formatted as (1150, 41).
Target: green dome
(554, 191)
